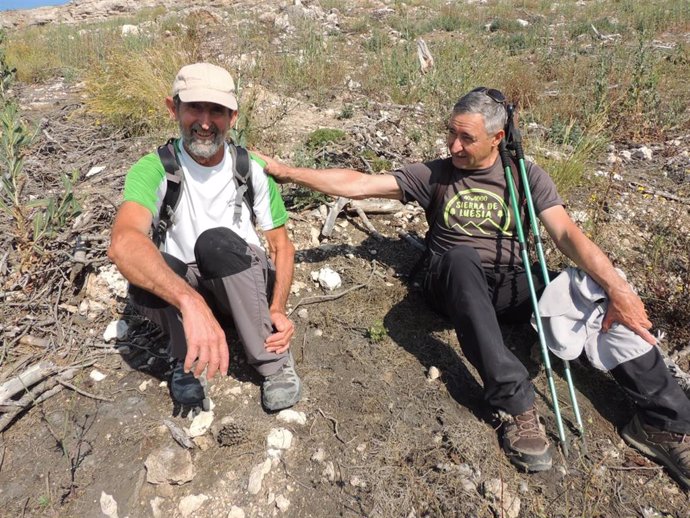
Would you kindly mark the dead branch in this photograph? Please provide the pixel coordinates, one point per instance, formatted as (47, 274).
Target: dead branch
(34, 341)
(368, 224)
(39, 393)
(327, 229)
(376, 206)
(26, 402)
(412, 240)
(646, 189)
(29, 377)
(324, 298)
(426, 60)
(83, 392)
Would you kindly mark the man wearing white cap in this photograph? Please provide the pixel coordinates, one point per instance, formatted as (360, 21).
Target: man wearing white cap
(209, 264)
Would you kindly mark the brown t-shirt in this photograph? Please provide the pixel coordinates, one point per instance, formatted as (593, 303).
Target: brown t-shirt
(474, 210)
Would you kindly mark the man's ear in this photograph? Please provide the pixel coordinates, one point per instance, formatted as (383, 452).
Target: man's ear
(170, 104)
(234, 117)
(496, 140)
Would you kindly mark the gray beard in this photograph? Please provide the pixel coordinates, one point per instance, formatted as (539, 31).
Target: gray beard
(202, 148)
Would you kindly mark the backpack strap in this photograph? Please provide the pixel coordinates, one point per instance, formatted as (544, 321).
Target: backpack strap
(242, 173)
(173, 174)
(174, 177)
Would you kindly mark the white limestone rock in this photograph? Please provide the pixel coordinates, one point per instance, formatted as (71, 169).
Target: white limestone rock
(279, 439)
(236, 512)
(292, 417)
(108, 505)
(116, 330)
(191, 504)
(201, 424)
(169, 465)
(329, 279)
(504, 502)
(257, 475)
(282, 503)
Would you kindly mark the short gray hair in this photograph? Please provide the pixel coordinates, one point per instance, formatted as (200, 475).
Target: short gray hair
(495, 116)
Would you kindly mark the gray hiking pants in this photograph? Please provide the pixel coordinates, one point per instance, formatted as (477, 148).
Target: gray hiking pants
(236, 280)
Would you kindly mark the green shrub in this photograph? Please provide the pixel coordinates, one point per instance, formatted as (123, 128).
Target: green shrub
(127, 93)
(323, 136)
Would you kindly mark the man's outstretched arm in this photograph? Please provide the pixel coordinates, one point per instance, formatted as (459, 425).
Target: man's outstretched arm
(141, 263)
(625, 307)
(335, 182)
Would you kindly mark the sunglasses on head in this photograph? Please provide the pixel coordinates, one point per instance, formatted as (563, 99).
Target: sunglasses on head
(492, 93)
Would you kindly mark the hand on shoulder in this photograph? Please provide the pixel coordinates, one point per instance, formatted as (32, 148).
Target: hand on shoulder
(276, 169)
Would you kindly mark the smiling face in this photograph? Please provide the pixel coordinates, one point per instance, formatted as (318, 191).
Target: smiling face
(469, 144)
(203, 127)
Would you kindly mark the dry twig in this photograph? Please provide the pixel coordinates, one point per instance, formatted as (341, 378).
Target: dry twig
(83, 392)
(324, 298)
(335, 425)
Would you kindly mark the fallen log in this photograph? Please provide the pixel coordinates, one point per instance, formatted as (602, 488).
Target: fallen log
(376, 206)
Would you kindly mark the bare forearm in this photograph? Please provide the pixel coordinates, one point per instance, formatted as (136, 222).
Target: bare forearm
(589, 257)
(284, 260)
(335, 182)
(142, 264)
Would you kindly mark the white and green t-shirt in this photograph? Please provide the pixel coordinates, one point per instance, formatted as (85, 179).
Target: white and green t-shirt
(207, 200)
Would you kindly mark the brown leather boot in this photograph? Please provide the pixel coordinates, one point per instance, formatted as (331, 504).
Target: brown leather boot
(671, 450)
(525, 442)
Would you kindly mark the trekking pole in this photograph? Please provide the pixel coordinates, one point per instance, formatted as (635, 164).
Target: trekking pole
(514, 143)
(505, 159)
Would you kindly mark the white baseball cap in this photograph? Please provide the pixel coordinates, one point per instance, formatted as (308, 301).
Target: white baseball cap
(204, 82)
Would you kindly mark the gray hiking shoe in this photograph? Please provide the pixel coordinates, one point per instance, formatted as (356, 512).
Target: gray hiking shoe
(671, 450)
(525, 442)
(282, 389)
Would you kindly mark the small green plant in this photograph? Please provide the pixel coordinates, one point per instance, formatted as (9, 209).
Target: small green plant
(347, 112)
(15, 139)
(43, 502)
(567, 166)
(6, 72)
(323, 136)
(377, 332)
(33, 220)
(55, 211)
(377, 163)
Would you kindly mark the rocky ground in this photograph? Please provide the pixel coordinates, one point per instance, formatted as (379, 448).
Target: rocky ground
(391, 422)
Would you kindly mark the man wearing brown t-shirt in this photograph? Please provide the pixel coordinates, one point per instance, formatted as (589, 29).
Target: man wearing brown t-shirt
(476, 276)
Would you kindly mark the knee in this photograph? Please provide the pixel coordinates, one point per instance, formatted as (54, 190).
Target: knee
(220, 252)
(141, 297)
(461, 259)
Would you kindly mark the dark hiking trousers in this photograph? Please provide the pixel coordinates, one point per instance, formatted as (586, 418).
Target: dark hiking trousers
(475, 298)
(234, 278)
(472, 297)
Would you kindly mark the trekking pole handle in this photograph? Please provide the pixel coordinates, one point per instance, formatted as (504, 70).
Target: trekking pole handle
(513, 135)
(505, 154)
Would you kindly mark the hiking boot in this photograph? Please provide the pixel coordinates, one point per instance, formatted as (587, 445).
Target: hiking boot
(282, 389)
(184, 387)
(671, 450)
(525, 442)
